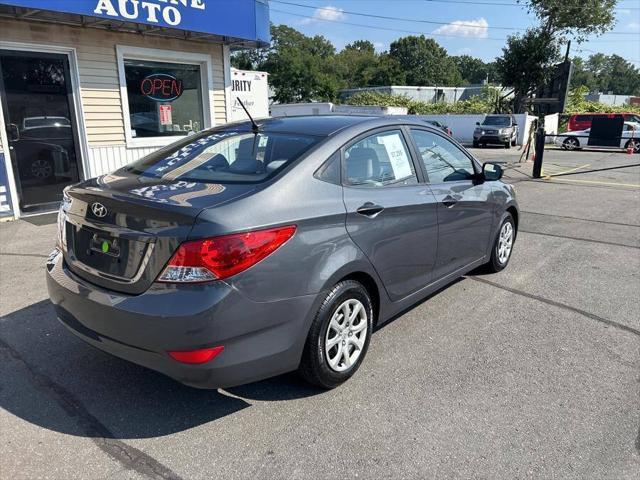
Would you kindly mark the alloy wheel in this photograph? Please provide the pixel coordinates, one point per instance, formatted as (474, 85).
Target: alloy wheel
(505, 242)
(41, 169)
(346, 335)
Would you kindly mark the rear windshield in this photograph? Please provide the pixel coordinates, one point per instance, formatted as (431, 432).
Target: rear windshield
(501, 121)
(229, 156)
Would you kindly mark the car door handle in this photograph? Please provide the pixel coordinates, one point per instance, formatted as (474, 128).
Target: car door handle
(370, 209)
(449, 201)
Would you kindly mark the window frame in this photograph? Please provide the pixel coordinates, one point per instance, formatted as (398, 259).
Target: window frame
(418, 171)
(204, 61)
(477, 168)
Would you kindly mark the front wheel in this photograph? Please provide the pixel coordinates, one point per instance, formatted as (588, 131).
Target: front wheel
(571, 144)
(633, 145)
(339, 336)
(503, 244)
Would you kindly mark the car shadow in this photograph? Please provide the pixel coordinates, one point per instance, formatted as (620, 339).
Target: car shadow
(55, 381)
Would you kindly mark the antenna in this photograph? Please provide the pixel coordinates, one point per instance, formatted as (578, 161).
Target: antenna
(255, 128)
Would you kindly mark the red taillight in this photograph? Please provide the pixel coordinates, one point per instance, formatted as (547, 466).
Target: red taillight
(221, 257)
(196, 357)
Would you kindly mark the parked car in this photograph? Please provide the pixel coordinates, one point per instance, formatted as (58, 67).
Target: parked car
(442, 127)
(245, 252)
(582, 121)
(630, 139)
(496, 129)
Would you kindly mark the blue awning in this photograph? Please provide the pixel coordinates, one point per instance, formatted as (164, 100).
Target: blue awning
(242, 21)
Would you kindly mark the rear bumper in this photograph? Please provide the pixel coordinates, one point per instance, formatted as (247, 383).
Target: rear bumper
(260, 339)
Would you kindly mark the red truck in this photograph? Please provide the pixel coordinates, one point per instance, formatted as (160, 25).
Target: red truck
(582, 121)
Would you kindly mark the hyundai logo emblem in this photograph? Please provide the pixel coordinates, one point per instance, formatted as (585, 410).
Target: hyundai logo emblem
(99, 210)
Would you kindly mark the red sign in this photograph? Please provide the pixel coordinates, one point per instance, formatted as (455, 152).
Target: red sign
(166, 115)
(161, 87)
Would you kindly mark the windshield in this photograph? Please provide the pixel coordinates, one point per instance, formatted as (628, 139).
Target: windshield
(227, 156)
(497, 121)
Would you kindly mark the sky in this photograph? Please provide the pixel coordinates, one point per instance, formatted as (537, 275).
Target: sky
(478, 28)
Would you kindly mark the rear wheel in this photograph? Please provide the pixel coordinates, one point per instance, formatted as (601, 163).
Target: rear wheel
(571, 144)
(503, 244)
(633, 145)
(339, 336)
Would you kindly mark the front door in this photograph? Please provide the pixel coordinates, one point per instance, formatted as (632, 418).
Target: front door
(37, 101)
(464, 205)
(390, 216)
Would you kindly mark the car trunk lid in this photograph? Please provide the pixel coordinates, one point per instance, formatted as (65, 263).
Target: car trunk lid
(121, 229)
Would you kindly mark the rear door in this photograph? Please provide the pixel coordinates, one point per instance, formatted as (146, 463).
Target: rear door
(391, 216)
(464, 205)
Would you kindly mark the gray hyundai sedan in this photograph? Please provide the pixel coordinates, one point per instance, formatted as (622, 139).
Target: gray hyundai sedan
(248, 251)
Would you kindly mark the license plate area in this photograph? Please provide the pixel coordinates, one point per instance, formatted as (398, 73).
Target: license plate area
(105, 246)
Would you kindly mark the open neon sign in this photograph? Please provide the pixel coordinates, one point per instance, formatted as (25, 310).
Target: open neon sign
(161, 87)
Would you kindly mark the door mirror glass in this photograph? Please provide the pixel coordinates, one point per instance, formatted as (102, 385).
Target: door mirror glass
(477, 123)
(492, 171)
(14, 132)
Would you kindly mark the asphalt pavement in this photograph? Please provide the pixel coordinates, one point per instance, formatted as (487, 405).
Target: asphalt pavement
(530, 373)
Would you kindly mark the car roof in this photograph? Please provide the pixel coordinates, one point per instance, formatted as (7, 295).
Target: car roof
(326, 125)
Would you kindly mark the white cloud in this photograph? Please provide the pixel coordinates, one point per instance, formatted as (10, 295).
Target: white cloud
(465, 28)
(634, 25)
(332, 14)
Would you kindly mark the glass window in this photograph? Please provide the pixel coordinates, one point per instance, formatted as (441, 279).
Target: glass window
(165, 99)
(224, 156)
(379, 160)
(443, 161)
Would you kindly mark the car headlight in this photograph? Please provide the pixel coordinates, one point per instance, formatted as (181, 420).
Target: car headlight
(504, 131)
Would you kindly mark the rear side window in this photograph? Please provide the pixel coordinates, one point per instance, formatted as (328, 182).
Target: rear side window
(227, 156)
(583, 118)
(379, 160)
(443, 161)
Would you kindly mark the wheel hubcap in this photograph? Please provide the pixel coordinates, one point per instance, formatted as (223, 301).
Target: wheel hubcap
(41, 169)
(346, 335)
(505, 242)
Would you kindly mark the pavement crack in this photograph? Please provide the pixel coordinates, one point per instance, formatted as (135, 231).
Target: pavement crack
(12, 254)
(128, 456)
(602, 242)
(584, 313)
(580, 219)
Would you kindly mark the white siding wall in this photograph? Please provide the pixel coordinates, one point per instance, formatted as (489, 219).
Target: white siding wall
(99, 84)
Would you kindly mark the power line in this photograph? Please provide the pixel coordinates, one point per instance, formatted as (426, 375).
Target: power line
(374, 27)
(469, 2)
(401, 19)
(413, 32)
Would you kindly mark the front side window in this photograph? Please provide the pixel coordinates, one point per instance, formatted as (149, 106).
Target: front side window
(443, 161)
(225, 156)
(164, 99)
(379, 160)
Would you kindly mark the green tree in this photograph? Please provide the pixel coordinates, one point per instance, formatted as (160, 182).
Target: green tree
(425, 62)
(606, 73)
(357, 64)
(473, 70)
(526, 63)
(579, 18)
(388, 72)
(301, 68)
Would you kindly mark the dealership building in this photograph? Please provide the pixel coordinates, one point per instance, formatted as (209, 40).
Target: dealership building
(88, 86)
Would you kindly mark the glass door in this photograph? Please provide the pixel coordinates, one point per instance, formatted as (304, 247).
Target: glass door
(37, 102)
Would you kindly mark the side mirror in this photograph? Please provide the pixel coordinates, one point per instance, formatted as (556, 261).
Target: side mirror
(13, 132)
(477, 123)
(492, 172)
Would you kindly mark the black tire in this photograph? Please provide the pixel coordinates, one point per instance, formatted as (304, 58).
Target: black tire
(495, 265)
(314, 366)
(514, 142)
(484, 145)
(508, 144)
(571, 144)
(475, 144)
(635, 144)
